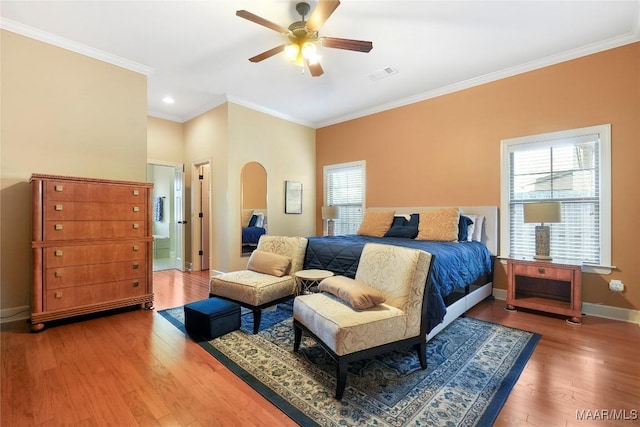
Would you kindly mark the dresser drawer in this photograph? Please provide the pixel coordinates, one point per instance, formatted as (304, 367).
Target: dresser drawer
(58, 299)
(93, 192)
(60, 256)
(80, 230)
(551, 272)
(62, 277)
(79, 211)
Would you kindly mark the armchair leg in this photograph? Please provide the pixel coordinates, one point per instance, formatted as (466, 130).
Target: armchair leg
(341, 379)
(297, 337)
(257, 315)
(421, 348)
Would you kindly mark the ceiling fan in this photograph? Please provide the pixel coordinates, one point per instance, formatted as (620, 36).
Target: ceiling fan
(303, 36)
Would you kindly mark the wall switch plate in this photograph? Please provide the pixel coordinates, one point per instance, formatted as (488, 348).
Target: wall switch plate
(616, 286)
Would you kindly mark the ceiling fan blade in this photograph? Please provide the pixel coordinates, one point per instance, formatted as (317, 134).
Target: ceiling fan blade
(315, 69)
(322, 12)
(347, 44)
(261, 21)
(267, 54)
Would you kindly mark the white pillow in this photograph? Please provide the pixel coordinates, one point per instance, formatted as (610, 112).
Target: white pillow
(478, 222)
(470, 228)
(260, 219)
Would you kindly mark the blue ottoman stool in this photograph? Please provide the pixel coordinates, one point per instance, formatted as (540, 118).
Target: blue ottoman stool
(211, 318)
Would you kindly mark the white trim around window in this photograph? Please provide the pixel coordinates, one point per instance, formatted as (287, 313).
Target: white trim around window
(345, 187)
(553, 180)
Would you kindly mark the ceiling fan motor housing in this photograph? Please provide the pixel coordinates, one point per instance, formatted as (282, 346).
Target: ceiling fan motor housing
(303, 9)
(299, 29)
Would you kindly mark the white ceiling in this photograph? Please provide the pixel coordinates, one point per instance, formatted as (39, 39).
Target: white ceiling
(197, 51)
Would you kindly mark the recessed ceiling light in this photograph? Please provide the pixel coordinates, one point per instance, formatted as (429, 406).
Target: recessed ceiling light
(168, 100)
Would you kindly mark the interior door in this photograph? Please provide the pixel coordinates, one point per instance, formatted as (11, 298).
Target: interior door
(203, 216)
(180, 225)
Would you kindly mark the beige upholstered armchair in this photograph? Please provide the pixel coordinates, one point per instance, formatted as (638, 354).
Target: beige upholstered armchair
(384, 308)
(269, 277)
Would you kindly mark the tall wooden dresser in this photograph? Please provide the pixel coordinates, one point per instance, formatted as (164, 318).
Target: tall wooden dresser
(92, 246)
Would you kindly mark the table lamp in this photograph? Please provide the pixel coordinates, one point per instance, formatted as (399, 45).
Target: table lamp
(330, 213)
(543, 212)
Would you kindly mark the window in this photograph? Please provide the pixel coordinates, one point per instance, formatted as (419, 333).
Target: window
(571, 167)
(344, 187)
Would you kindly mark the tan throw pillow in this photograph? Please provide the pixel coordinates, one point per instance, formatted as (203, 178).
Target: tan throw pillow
(376, 223)
(357, 294)
(269, 263)
(440, 225)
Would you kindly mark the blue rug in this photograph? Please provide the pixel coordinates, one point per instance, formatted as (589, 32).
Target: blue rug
(472, 367)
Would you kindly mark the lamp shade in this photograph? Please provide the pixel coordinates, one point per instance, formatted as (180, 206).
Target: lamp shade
(330, 212)
(542, 212)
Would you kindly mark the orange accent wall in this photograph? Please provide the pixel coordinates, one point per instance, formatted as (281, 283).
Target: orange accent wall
(446, 150)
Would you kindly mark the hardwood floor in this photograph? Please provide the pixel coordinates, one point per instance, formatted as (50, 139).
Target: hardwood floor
(134, 368)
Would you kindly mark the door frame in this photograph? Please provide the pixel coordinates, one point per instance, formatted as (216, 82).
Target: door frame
(179, 210)
(196, 229)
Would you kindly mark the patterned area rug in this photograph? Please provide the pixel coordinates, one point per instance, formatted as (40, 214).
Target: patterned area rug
(472, 367)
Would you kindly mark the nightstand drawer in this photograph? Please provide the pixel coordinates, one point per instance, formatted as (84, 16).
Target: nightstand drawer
(551, 272)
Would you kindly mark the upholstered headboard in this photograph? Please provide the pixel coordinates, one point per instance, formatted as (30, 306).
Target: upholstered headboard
(490, 227)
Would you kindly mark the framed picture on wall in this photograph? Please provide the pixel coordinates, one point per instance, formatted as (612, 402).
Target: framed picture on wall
(292, 197)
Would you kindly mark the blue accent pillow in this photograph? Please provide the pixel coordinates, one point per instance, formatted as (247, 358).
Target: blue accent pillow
(463, 228)
(253, 220)
(400, 227)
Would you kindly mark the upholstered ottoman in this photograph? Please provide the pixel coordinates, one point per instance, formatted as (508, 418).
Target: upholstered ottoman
(211, 318)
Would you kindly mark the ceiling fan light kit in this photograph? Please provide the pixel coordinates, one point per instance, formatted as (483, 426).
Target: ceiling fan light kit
(303, 36)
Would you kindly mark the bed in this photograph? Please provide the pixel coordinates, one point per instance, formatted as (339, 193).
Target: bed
(256, 226)
(462, 272)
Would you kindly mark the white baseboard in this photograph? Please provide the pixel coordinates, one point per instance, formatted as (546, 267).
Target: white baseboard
(596, 310)
(13, 314)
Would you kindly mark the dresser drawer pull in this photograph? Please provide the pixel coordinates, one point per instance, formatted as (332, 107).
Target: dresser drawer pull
(136, 266)
(58, 226)
(541, 270)
(136, 209)
(58, 294)
(136, 226)
(58, 253)
(58, 207)
(58, 188)
(58, 274)
(136, 248)
(136, 192)
(136, 284)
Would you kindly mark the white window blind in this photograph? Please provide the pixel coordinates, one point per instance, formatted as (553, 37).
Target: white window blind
(344, 188)
(569, 167)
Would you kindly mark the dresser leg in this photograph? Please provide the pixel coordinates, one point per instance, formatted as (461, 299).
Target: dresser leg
(148, 306)
(37, 327)
(574, 321)
(510, 308)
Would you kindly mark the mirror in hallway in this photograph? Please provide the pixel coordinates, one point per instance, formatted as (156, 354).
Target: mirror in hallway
(253, 186)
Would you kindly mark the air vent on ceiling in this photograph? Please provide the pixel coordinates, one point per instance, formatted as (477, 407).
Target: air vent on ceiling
(382, 73)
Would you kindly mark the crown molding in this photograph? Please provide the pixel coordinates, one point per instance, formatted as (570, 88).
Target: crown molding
(43, 36)
(268, 111)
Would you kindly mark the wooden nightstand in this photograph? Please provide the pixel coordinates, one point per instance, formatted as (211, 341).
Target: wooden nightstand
(550, 286)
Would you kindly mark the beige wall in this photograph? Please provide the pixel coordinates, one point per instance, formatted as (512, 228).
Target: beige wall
(222, 137)
(285, 149)
(165, 141)
(287, 152)
(446, 150)
(205, 141)
(65, 114)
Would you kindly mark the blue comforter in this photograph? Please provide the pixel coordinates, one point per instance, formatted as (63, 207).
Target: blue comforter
(251, 235)
(455, 265)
